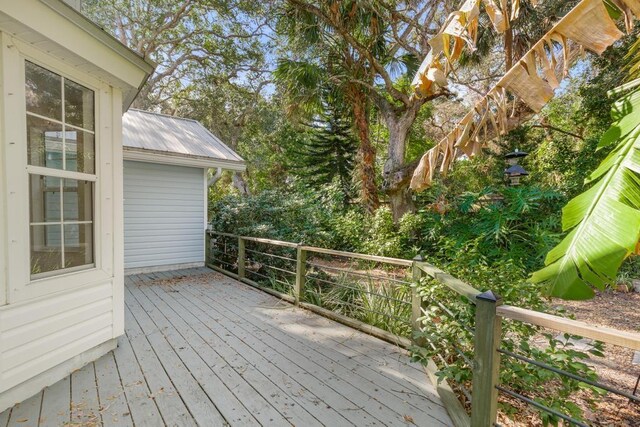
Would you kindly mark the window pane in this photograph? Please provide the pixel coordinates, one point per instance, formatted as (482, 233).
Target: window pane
(78, 200)
(79, 150)
(44, 198)
(44, 143)
(43, 91)
(46, 250)
(78, 105)
(78, 245)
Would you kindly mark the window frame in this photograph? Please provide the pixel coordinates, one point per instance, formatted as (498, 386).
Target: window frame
(21, 287)
(63, 174)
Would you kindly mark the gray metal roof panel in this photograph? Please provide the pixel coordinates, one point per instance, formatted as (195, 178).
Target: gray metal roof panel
(159, 132)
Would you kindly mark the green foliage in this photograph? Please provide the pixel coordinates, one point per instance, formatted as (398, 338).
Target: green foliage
(447, 325)
(329, 152)
(293, 216)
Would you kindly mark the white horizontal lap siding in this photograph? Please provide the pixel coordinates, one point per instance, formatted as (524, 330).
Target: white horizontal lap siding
(163, 214)
(39, 335)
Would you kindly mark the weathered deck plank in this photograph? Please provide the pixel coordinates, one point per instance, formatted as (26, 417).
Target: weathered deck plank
(357, 407)
(223, 358)
(277, 372)
(366, 384)
(113, 403)
(163, 392)
(202, 406)
(205, 364)
(85, 406)
(56, 404)
(394, 367)
(4, 418)
(144, 411)
(203, 349)
(27, 413)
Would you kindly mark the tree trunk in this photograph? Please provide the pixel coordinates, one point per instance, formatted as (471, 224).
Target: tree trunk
(401, 202)
(508, 49)
(366, 154)
(240, 184)
(396, 175)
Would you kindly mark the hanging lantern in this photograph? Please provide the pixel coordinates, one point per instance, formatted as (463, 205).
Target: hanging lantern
(514, 172)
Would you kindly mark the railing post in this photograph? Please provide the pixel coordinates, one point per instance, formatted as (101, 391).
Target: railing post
(486, 369)
(301, 274)
(241, 257)
(416, 300)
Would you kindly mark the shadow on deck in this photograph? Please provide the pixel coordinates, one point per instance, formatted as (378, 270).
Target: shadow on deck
(204, 349)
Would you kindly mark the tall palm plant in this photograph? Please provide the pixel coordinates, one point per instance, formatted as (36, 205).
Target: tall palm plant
(329, 64)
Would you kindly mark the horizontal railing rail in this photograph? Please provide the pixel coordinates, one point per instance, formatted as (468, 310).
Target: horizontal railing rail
(379, 296)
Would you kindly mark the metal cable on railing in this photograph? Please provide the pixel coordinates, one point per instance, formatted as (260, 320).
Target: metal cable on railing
(631, 397)
(362, 308)
(358, 290)
(541, 406)
(353, 273)
(270, 278)
(270, 255)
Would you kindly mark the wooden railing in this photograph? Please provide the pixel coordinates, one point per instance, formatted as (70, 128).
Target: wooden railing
(306, 274)
(490, 313)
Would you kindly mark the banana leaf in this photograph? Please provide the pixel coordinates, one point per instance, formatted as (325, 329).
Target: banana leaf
(603, 223)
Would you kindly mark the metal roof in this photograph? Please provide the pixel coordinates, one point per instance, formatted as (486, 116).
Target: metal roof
(175, 136)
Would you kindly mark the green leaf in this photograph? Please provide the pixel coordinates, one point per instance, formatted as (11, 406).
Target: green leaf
(621, 128)
(604, 221)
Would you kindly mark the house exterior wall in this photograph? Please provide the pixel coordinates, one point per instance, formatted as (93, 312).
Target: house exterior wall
(164, 215)
(53, 325)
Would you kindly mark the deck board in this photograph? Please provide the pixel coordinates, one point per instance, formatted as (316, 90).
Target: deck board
(257, 377)
(56, 404)
(207, 366)
(143, 409)
(368, 383)
(385, 407)
(113, 403)
(27, 413)
(203, 349)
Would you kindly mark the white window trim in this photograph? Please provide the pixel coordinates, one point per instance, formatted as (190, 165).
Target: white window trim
(22, 286)
(59, 173)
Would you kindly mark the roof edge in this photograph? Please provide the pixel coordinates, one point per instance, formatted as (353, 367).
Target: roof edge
(93, 29)
(179, 159)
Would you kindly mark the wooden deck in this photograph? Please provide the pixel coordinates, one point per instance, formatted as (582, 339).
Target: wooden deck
(204, 349)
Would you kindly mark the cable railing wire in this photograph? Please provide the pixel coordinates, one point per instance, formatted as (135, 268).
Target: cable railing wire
(223, 262)
(361, 308)
(354, 273)
(279, 269)
(270, 278)
(270, 255)
(541, 406)
(358, 289)
(635, 399)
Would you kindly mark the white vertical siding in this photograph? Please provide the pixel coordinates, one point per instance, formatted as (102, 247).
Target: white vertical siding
(163, 215)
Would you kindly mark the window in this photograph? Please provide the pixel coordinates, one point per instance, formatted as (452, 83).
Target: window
(61, 166)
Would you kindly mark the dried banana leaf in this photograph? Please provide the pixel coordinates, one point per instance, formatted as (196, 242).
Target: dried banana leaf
(590, 26)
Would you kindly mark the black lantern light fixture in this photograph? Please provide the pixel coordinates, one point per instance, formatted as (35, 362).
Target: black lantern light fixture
(514, 171)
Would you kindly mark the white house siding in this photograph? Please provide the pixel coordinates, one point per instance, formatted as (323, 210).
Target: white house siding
(42, 334)
(163, 215)
(53, 325)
